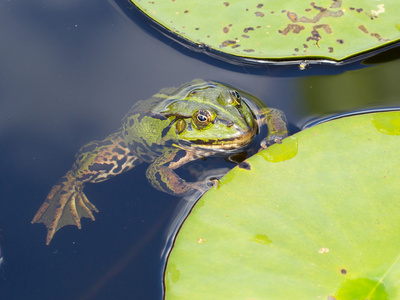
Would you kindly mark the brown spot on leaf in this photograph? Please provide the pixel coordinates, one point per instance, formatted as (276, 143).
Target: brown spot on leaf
(378, 37)
(315, 34)
(292, 16)
(363, 29)
(227, 43)
(323, 13)
(294, 27)
(336, 4)
(259, 14)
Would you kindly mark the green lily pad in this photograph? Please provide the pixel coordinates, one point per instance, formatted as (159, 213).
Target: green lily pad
(316, 217)
(279, 30)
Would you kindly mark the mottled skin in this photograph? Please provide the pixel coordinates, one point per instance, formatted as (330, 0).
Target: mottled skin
(174, 127)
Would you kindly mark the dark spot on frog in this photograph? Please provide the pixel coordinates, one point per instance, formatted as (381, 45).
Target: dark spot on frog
(178, 156)
(101, 167)
(343, 271)
(119, 151)
(248, 50)
(186, 11)
(359, 10)
(272, 12)
(340, 41)
(308, 9)
(259, 14)
(225, 29)
(305, 46)
(296, 49)
(235, 46)
(352, 8)
(283, 11)
(246, 30)
(197, 28)
(260, 5)
(120, 164)
(226, 4)
(245, 165)
(330, 49)
(245, 36)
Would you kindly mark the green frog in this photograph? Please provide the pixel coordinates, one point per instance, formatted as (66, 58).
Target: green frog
(174, 127)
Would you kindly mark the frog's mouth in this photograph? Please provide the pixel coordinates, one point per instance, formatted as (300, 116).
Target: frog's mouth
(220, 145)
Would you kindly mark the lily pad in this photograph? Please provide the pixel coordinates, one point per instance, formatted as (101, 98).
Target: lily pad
(260, 31)
(316, 217)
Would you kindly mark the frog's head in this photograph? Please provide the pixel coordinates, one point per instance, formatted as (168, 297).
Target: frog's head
(209, 115)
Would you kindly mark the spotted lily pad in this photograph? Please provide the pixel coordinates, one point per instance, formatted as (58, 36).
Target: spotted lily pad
(262, 31)
(316, 217)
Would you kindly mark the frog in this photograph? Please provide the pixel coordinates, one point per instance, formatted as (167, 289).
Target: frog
(176, 126)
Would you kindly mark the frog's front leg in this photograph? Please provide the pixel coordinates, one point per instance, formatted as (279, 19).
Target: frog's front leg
(276, 122)
(97, 161)
(161, 175)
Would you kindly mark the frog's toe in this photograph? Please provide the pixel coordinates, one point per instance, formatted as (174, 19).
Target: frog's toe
(273, 139)
(65, 205)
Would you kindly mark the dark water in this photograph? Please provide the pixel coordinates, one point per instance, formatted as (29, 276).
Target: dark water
(69, 71)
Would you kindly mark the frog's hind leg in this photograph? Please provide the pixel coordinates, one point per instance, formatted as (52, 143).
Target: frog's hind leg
(97, 161)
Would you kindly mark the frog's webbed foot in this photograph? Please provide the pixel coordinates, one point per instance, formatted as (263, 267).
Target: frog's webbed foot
(65, 205)
(270, 140)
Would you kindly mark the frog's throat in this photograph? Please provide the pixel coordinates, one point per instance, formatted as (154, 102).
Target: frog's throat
(221, 144)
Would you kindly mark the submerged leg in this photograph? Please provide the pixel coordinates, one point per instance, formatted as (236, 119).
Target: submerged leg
(162, 176)
(97, 161)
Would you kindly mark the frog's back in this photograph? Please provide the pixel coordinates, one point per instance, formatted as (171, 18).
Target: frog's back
(144, 127)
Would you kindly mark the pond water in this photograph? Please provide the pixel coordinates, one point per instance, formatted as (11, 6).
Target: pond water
(69, 72)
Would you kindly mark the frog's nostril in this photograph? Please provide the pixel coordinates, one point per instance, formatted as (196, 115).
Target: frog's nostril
(229, 124)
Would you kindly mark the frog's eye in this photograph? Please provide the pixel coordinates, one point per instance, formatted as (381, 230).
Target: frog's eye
(236, 99)
(202, 118)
